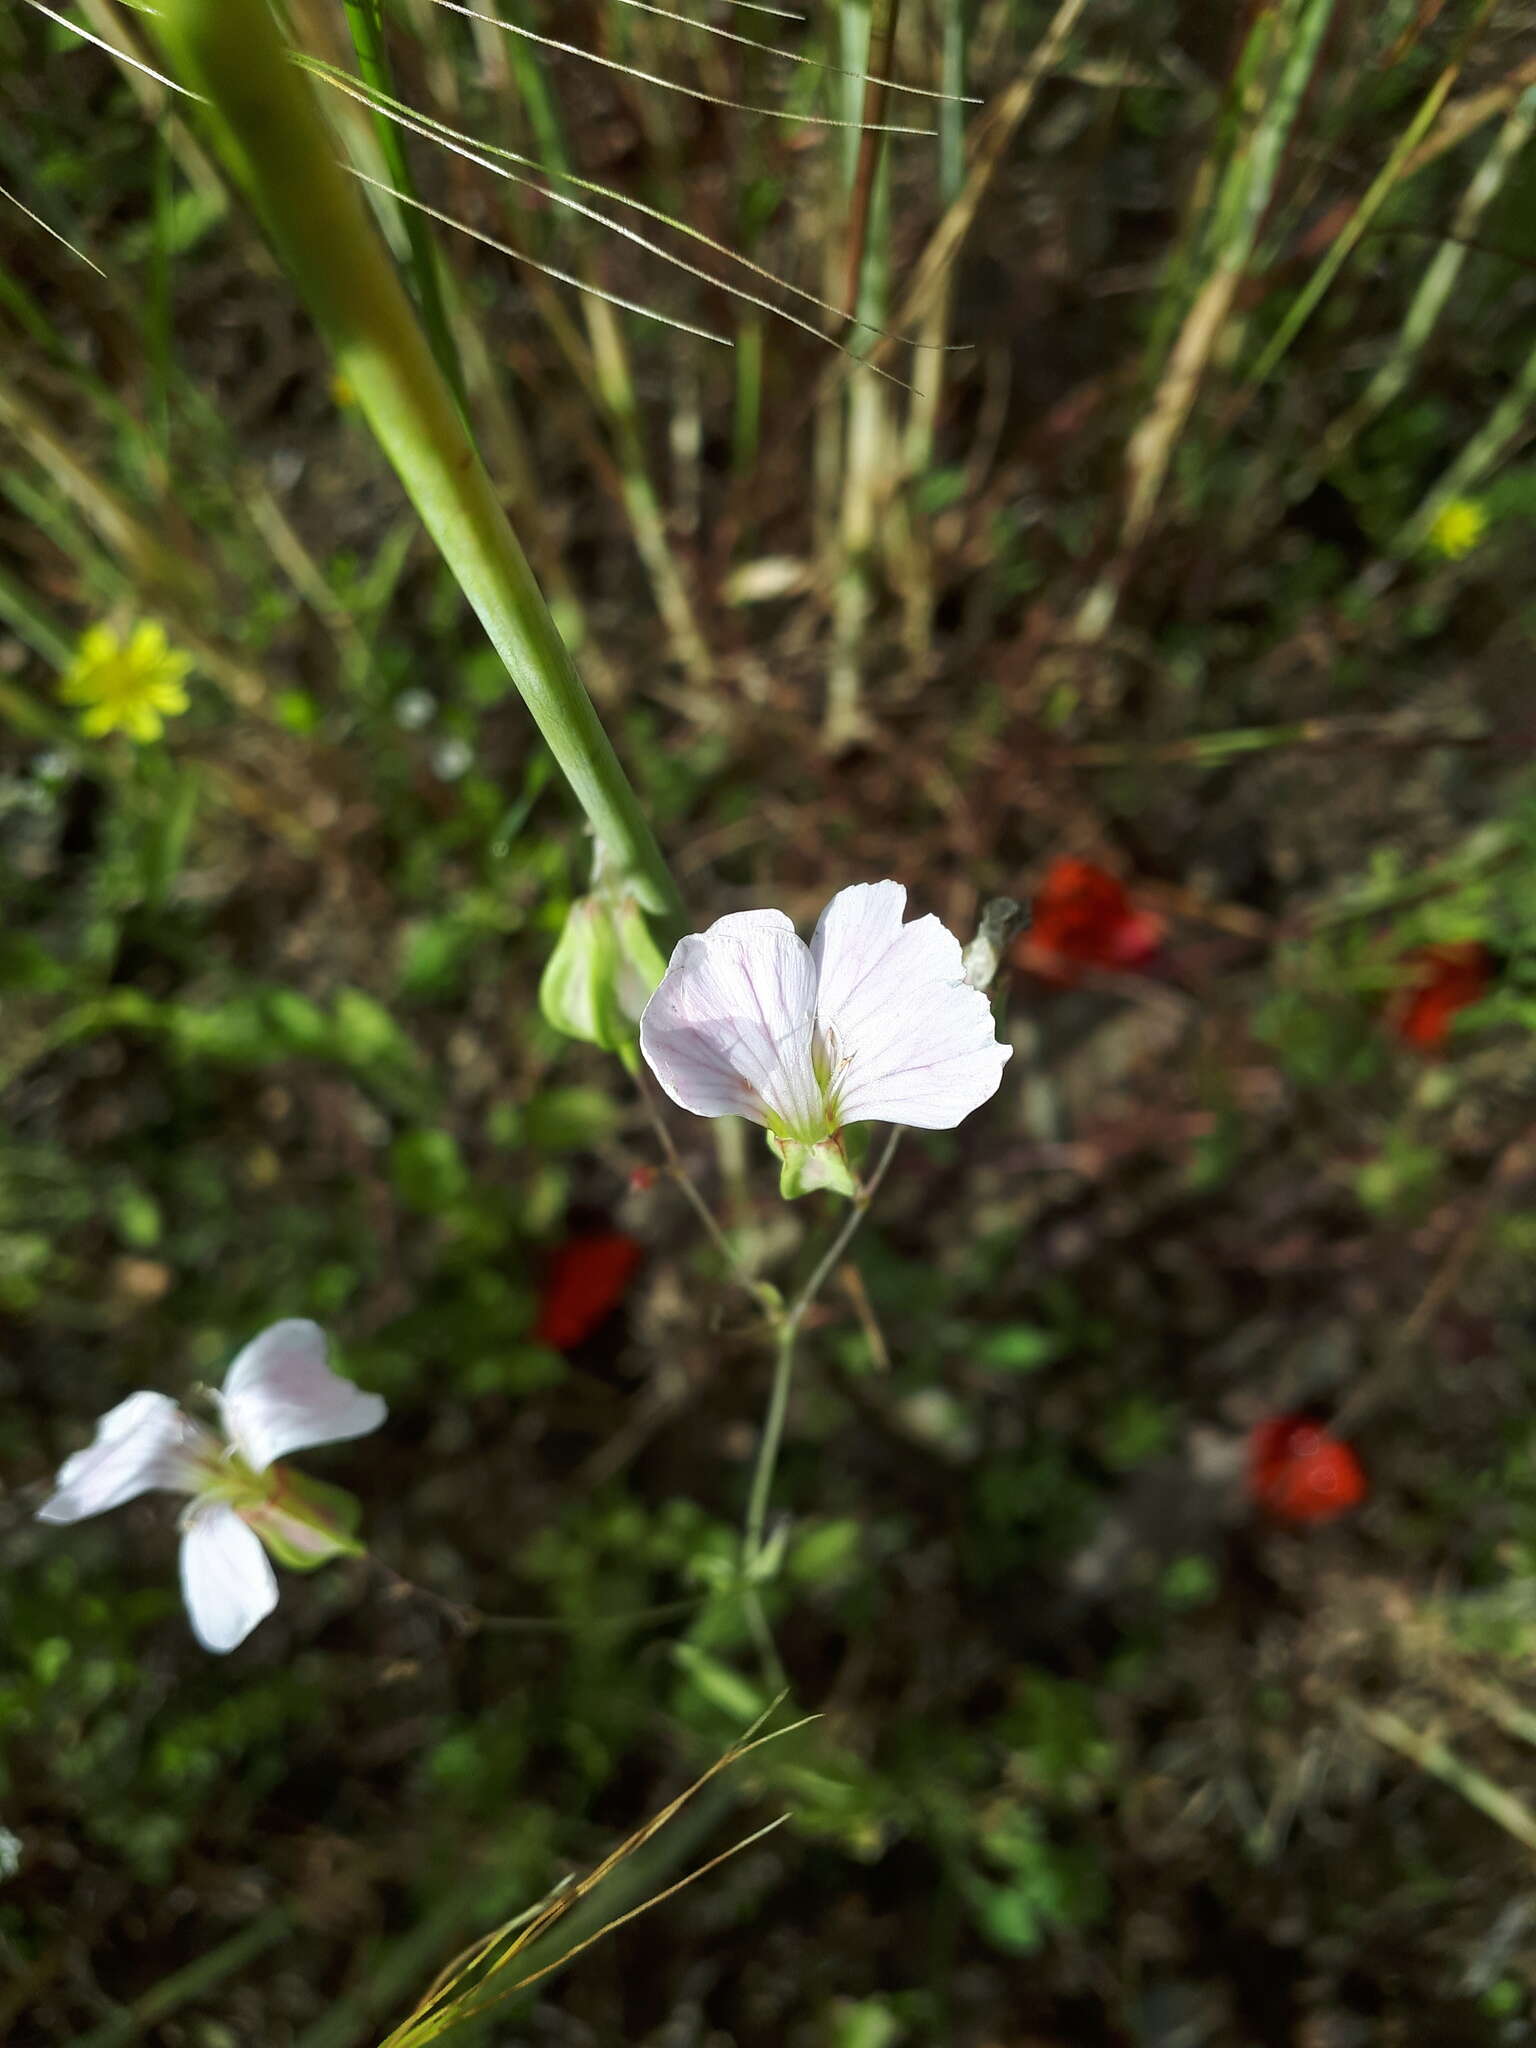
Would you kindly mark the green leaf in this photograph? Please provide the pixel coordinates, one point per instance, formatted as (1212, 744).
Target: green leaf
(1018, 1347)
(366, 1034)
(302, 1025)
(428, 1170)
(735, 1696)
(434, 954)
(135, 1216)
(827, 1553)
(519, 1369)
(569, 1120)
(28, 968)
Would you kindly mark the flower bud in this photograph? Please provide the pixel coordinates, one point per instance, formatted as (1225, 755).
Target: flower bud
(303, 1522)
(601, 973)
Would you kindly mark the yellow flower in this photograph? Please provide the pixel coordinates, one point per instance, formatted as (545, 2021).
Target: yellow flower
(1458, 527)
(131, 687)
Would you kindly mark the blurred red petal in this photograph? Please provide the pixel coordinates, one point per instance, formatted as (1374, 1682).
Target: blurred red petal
(1084, 916)
(1447, 979)
(583, 1284)
(1137, 937)
(1299, 1472)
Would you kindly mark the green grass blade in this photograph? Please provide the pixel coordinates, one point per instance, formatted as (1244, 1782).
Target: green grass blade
(278, 149)
(373, 61)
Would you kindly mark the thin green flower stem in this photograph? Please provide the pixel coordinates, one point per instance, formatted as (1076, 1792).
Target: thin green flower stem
(770, 1441)
(787, 1329)
(472, 1620)
(857, 1211)
(278, 149)
(785, 1323)
(696, 1201)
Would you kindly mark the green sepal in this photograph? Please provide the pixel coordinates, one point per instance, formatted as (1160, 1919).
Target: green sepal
(854, 1139)
(806, 1169)
(303, 1522)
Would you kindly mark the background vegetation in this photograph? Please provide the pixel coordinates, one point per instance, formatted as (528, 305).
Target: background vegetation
(1206, 559)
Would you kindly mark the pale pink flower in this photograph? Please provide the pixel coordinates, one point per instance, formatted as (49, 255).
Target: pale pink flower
(278, 1396)
(873, 1021)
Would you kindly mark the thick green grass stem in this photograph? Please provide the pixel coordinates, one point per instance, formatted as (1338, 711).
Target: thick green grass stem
(278, 149)
(373, 62)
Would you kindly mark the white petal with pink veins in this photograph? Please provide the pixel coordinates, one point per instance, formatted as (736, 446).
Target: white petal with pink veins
(281, 1396)
(904, 1039)
(143, 1443)
(728, 1032)
(874, 1021)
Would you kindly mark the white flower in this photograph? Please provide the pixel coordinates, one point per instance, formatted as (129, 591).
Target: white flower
(278, 1396)
(873, 1021)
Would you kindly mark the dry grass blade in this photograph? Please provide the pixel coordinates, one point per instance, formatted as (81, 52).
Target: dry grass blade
(112, 50)
(1391, 174)
(450, 2001)
(38, 221)
(994, 137)
(1506, 427)
(1464, 117)
(484, 156)
(1429, 1754)
(623, 1919)
(870, 151)
(546, 269)
(691, 92)
(475, 151)
(1295, 34)
(1439, 279)
(866, 78)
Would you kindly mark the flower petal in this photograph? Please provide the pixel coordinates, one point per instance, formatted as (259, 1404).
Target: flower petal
(857, 927)
(281, 1396)
(584, 1284)
(142, 1443)
(728, 1033)
(147, 642)
(97, 644)
(905, 1039)
(226, 1581)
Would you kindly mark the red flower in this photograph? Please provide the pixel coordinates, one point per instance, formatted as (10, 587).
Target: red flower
(583, 1284)
(1084, 917)
(1299, 1472)
(1446, 979)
